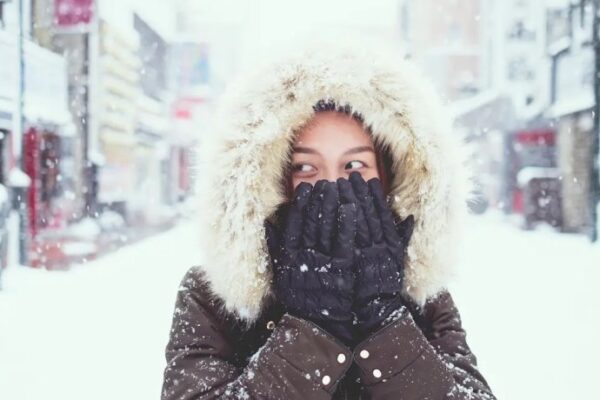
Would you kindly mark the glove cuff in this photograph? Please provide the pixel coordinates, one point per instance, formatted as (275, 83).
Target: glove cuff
(377, 313)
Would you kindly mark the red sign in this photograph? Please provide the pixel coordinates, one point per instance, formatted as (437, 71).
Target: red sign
(537, 137)
(184, 107)
(73, 12)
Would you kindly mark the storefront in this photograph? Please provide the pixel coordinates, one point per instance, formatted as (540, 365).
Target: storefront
(530, 154)
(48, 142)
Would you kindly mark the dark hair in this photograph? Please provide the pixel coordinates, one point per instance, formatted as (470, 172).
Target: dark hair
(330, 105)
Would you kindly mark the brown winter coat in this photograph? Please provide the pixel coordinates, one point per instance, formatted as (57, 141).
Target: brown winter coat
(422, 355)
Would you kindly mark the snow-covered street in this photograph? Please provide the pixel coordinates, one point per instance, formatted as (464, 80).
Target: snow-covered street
(97, 331)
(529, 302)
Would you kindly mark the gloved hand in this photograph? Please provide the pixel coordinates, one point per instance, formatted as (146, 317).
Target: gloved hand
(313, 258)
(381, 247)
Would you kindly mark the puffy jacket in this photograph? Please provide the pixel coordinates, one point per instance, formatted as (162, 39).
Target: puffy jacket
(212, 355)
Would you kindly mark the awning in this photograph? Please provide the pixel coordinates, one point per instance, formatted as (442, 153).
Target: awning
(45, 113)
(571, 106)
(488, 110)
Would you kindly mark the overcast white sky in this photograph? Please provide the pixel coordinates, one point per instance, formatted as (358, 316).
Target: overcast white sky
(259, 27)
(242, 32)
(273, 18)
(277, 12)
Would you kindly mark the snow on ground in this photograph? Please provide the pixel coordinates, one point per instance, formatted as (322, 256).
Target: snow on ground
(97, 331)
(528, 301)
(530, 304)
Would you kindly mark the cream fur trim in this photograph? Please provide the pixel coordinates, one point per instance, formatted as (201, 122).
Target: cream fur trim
(240, 166)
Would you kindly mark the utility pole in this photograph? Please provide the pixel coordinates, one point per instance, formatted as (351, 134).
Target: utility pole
(595, 178)
(90, 144)
(21, 191)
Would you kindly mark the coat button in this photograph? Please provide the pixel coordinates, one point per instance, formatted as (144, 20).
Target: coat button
(377, 373)
(326, 380)
(341, 358)
(270, 325)
(364, 354)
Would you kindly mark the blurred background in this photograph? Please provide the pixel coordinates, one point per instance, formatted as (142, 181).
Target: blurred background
(102, 104)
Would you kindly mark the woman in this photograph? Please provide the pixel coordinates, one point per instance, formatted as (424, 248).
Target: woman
(331, 200)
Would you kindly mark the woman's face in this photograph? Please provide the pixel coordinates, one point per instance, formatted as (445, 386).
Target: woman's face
(332, 146)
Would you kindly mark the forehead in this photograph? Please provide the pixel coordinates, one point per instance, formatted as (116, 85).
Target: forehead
(330, 128)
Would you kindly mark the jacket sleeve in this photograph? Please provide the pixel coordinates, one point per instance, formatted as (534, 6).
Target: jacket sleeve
(402, 361)
(297, 360)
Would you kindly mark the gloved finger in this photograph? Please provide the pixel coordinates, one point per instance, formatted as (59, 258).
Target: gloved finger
(327, 220)
(347, 196)
(343, 246)
(311, 216)
(365, 198)
(293, 226)
(386, 218)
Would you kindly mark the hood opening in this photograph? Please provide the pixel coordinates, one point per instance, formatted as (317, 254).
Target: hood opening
(243, 163)
(383, 156)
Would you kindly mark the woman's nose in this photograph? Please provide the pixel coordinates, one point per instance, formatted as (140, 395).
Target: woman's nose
(333, 176)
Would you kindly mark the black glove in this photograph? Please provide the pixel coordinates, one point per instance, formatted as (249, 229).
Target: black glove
(313, 258)
(381, 247)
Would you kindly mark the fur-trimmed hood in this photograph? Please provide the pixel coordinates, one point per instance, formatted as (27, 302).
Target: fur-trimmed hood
(242, 162)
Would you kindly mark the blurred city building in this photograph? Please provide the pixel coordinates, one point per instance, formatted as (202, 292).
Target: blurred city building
(103, 104)
(519, 79)
(97, 143)
(571, 52)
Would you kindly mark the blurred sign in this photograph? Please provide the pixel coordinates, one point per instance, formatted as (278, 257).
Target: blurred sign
(536, 148)
(183, 108)
(191, 66)
(116, 178)
(73, 12)
(153, 54)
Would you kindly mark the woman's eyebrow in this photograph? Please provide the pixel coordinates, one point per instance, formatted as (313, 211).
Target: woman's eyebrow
(307, 150)
(360, 149)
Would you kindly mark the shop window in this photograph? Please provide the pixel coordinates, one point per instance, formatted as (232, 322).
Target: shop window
(49, 168)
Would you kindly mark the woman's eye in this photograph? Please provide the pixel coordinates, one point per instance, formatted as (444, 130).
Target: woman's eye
(303, 168)
(355, 164)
